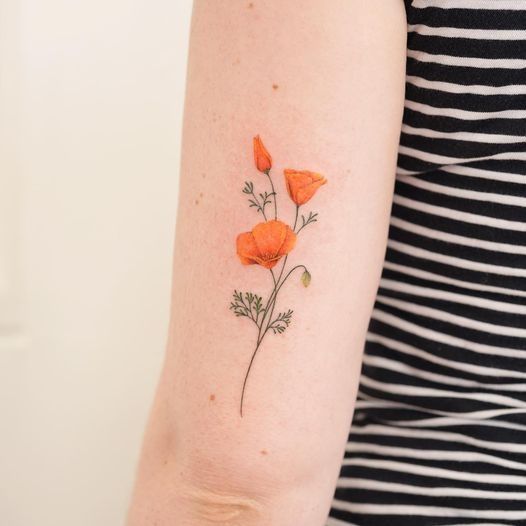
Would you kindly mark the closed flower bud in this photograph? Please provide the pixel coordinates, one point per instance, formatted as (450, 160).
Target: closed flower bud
(262, 158)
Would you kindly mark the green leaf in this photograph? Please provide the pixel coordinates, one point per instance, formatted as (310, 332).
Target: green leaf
(305, 278)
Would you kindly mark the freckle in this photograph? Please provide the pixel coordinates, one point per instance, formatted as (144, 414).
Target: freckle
(203, 174)
(275, 86)
(200, 194)
(197, 201)
(212, 397)
(264, 452)
(251, 5)
(236, 62)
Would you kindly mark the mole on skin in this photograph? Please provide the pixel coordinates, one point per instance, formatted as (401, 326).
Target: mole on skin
(275, 86)
(212, 397)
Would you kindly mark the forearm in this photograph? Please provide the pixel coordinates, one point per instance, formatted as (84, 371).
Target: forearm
(249, 422)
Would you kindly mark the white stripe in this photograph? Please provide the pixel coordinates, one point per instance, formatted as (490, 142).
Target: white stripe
(454, 319)
(462, 32)
(458, 215)
(426, 292)
(331, 521)
(432, 454)
(445, 160)
(414, 372)
(455, 238)
(428, 392)
(437, 491)
(467, 62)
(430, 357)
(424, 274)
(448, 339)
(404, 467)
(475, 266)
(435, 434)
(513, 5)
(486, 174)
(511, 200)
(474, 89)
(451, 421)
(425, 511)
(487, 138)
(474, 418)
(465, 115)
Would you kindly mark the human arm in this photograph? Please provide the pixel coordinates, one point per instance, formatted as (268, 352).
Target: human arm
(322, 84)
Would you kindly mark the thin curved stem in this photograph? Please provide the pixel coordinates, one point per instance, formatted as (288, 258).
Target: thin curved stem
(296, 219)
(246, 378)
(273, 194)
(271, 303)
(275, 297)
(261, 207)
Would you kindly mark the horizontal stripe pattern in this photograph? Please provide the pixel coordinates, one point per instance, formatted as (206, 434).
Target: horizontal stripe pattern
(439, 431)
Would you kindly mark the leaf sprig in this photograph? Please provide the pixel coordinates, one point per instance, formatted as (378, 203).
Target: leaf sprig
(281, 322)
(247, 304)
(260, 201)
(311, 218)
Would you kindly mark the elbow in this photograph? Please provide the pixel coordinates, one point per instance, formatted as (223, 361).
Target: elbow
(214, 507)
(214, 489)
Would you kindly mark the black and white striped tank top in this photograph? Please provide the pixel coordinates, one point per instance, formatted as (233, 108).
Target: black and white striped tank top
(439, 433)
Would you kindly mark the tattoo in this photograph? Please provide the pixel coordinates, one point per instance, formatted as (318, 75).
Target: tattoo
(270, 242)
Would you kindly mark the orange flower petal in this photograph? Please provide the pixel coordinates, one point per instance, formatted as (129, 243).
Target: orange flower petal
(269, 237)
(266, 244)
(262, 158)
(305, 193)
(289, 243)
(302, 184)
(247, 249)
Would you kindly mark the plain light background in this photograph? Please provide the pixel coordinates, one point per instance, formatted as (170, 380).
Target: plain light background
(91, 98)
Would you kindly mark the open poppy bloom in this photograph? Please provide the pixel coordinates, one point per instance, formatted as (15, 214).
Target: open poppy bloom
(302, 184)
(262, 158)
(265, 244)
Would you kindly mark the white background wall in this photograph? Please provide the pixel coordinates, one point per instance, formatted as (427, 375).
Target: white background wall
(91, 95)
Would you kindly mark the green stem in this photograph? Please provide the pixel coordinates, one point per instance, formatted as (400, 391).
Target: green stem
(296, 218)
(261, 208)
(271, 301)
(258, 343)
(246, 378)
(273, 194)
(275, 297)
(265, 312)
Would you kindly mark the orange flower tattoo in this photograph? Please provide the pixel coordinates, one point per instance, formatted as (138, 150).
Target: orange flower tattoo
(302, 184)
(266, 244)
(269, 243)
(262, 158)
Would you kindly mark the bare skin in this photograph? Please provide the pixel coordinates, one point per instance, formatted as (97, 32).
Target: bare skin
(323, 84)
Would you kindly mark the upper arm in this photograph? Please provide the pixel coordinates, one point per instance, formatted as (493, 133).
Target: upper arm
(322, 84)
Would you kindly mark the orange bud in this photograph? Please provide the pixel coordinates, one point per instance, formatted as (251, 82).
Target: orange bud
(302, 184)
(262, 158)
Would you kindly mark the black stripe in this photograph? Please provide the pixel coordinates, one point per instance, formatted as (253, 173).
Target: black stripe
(431, 352)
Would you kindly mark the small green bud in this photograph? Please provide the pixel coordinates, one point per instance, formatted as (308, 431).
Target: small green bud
(305, 278)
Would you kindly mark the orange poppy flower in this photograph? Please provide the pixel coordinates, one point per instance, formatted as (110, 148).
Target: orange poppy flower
(266, 244)
(262, 158)
(302, 184)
